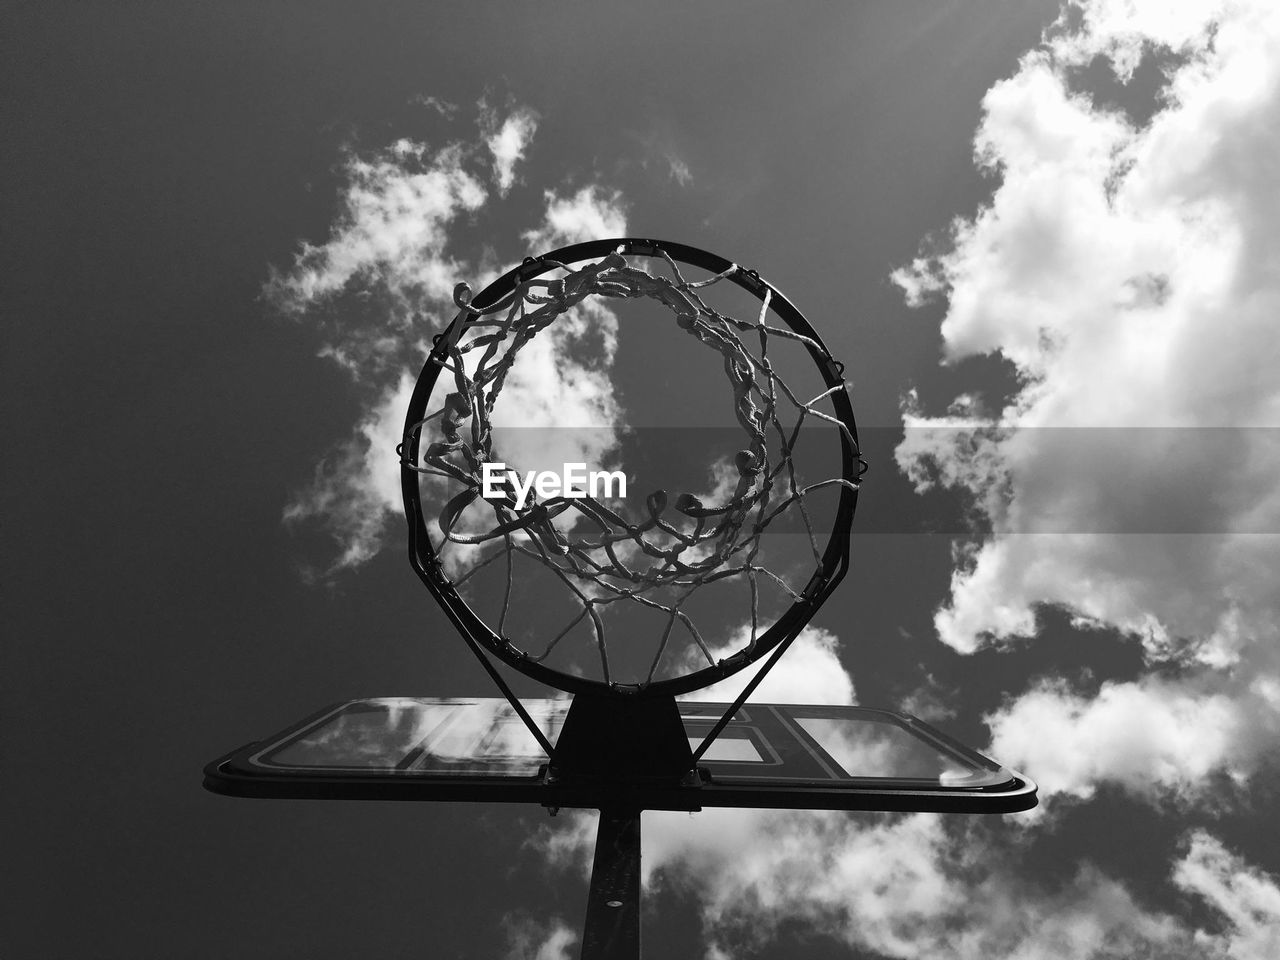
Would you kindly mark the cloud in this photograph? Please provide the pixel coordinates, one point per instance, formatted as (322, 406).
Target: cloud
(1127, 271)
(902, 887)
(590, 214)
(679, 170)
(926, 886)
(1245, 897)
(383, 282)
(355, 491)
(443, 107)
(1124, 30)
(529, 939)
(392, 231)
(507, 141)
(1151, 737)
(923, 885)
(809, 672)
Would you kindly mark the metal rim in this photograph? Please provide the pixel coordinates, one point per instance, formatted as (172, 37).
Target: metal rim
(835, 560)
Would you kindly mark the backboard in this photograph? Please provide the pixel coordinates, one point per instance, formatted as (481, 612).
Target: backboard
(478, 749)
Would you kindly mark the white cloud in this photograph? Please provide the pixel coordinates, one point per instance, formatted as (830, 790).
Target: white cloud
(443, 107)
(392, 232)
(809, 672)
(1244, 896)
(590, 214)
(679, 170)
(922, 886)
(1123, 30)
(507, 142)
(1152, 736)
(356, 490)
(529, 939)
(1128, 273)
(925, 885)
(389, 258)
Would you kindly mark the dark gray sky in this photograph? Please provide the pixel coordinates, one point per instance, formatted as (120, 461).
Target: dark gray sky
(161, 414)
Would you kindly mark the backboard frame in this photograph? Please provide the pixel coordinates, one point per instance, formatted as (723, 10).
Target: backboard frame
(243, 773)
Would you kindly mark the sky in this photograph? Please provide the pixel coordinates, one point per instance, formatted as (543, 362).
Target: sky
(1042, 241)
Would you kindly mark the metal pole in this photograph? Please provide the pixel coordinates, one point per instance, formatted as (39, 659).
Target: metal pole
(612, 928)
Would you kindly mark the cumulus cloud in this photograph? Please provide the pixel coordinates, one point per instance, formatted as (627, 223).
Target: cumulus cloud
(924, 886)
(1127, 271)
(1124, 30)
(679, 170)
(397, 208)
(392, 232)
(591, 213)
(809, 672)
(1157, 736)
(355, 490)
(1247, 899)
(902, 887)
(529, 939)
(507, 141)
(383, 283)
